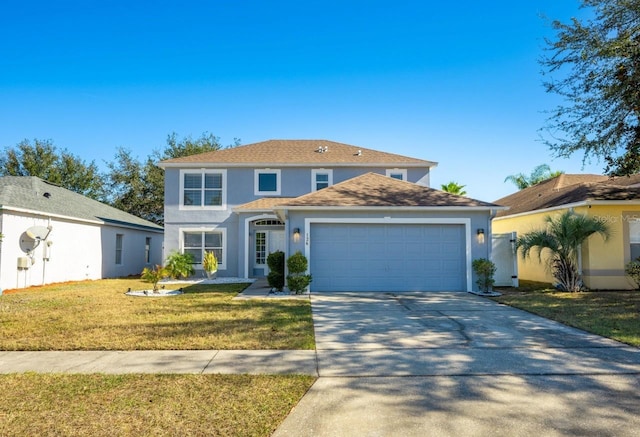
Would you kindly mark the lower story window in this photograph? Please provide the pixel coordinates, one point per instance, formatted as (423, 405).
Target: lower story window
(196, 243)
(634, 239)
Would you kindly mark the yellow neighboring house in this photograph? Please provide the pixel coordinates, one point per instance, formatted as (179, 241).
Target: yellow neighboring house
(613, 200)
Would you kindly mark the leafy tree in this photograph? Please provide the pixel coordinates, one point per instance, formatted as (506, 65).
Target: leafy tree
(187, 146)
(42, 159)
(454, 188)
(594, 65)
(136, 187)
(539, 174)
(563, 237)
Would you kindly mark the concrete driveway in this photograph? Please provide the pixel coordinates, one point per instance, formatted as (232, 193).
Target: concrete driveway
(457, 364)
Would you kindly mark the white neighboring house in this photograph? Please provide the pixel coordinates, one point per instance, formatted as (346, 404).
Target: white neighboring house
(53, 235)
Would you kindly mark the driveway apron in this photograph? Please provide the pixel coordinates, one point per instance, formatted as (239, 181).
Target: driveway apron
(458, 364)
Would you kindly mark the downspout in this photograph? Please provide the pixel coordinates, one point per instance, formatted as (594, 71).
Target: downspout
(287, 247)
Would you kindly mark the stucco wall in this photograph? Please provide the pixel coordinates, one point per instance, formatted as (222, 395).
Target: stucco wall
(602, 261)
(295, 181)
(76, 251)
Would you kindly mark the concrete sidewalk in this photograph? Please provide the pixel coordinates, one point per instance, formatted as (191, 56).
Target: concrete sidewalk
(172, 361)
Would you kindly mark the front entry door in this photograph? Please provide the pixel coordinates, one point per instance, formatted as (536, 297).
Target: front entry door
(267, 242)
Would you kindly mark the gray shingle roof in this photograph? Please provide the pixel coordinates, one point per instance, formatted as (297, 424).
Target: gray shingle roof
(299, 152)
(569, 189)
(375, 190)
(34, 194)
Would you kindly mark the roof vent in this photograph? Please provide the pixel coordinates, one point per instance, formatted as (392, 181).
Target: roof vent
(47, 195)
(359, 153)
(321, 149)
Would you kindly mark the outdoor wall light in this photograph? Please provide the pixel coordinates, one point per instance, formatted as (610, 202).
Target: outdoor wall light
(296, 235)
(480, 234)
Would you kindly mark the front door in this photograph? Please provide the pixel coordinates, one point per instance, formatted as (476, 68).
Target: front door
(266, 242)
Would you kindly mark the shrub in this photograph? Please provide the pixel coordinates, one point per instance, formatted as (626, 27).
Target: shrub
(153, 275)
(484, 269)
(210, 262)
(275, 261)
(632, 269)
(297, 279)
(179, 265)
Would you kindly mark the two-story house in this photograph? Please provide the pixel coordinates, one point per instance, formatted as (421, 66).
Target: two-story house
(366, 220)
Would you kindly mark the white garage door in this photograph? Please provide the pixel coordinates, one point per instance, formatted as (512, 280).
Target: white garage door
(387, 257)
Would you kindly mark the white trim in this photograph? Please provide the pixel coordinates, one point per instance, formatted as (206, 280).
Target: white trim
(314, 175)
(402, 171)
(44, 214)
(386, 208)
(256, 181)
(388, 220)
(202, 172)
(569, 206)
(223, 231)
(247, 223)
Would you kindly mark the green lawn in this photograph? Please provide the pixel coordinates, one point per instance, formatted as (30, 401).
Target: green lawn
(146, 405)
(97, 315)
(613, 314)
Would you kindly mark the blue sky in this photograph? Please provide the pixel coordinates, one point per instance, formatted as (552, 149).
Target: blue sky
(454, 82)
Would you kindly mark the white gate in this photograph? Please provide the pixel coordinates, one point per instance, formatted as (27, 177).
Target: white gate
(504, 256)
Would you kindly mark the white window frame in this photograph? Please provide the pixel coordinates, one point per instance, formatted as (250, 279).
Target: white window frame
(256, 182)
(314, 177)
(147, 250)
(202, 173)
(221, 265)
(119, 249)
(634, 237)
(401, 171)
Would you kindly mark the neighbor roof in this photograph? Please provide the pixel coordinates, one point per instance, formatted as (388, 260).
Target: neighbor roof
(375, 190)
(33, 194)
(569, 189)
(297, 153)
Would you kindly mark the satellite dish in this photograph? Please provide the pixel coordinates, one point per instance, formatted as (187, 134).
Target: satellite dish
(38, 232)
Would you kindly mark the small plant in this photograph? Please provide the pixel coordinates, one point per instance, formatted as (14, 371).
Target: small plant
(632, 269)
(210, 263)
(297, 279)
(179, 265)
(154, 275)
(484, 269)
(275, 261)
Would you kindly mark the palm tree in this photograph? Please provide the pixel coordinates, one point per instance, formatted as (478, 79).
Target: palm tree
(539, 174)
(454, 188)
(563, 237)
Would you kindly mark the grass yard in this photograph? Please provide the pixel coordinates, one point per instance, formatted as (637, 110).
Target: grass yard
(612, 314)
(97, 315)
(159, 405)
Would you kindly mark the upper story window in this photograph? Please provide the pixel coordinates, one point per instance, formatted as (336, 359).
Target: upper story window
(203, 188)
(267, 182)
(321, 178)
(397, 173)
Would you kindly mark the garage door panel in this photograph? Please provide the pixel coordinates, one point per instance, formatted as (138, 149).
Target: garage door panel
(387, 257)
